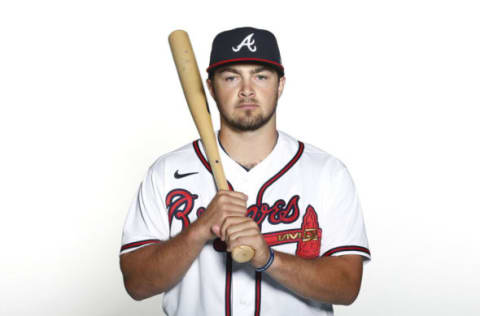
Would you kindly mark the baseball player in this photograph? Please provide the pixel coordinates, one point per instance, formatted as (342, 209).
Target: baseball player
(293, 203)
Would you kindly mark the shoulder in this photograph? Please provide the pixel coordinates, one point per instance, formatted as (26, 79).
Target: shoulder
(182, 156)
(312, 155)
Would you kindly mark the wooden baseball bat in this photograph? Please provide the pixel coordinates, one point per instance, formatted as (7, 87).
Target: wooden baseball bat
(191, 81)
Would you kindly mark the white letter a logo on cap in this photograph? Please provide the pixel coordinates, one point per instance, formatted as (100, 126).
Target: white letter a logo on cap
(248, 42)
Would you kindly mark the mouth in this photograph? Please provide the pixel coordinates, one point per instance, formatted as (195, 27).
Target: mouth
(247, 106)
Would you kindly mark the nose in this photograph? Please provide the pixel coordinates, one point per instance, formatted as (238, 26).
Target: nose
(246, 90)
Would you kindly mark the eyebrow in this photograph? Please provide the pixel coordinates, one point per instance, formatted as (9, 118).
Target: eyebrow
(262, 68)
(254, 71)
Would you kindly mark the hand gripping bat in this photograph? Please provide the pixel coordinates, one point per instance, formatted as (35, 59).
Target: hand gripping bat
(189, 75)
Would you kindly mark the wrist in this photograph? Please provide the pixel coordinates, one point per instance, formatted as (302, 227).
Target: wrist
(197, 233)
(268, 263)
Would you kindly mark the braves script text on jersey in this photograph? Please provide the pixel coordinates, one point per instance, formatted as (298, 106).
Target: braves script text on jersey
(303, 199)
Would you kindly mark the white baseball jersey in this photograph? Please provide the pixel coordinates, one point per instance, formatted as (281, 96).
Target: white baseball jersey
(302, 198)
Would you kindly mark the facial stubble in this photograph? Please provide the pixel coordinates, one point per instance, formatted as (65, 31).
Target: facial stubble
(249, 121)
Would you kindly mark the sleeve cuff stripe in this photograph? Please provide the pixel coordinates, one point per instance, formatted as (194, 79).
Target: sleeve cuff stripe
(346, 248)
(139, 243)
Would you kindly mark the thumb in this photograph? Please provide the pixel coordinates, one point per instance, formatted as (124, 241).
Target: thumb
(216, 230)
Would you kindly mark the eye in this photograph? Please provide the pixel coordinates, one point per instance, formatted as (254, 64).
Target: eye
(230, 78)
(262, 77)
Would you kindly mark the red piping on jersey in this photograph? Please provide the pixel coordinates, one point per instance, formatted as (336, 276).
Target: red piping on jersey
(200, 155)
(204, 161)
(258, 275)
(228, 286)
(139, 243)
(289, 165)
(346, 248)
(228, 274)
(258, 292)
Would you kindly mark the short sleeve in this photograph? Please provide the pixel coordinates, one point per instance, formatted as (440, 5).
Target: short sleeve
(147, 219)
(344, 229)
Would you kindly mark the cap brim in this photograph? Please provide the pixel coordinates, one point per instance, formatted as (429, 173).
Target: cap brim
(277, 66)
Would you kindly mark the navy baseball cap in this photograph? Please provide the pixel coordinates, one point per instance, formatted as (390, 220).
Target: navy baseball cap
(245, 44)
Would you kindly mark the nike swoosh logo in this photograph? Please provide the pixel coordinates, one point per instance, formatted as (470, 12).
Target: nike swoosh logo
(178, 175)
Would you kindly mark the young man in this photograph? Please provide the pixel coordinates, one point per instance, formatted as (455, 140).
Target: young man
(294, 204)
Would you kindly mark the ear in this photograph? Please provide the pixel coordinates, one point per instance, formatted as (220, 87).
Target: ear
(210, 88)
(281, 85)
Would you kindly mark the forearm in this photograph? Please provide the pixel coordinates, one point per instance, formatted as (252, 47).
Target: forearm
(334, 280)
(156, 268)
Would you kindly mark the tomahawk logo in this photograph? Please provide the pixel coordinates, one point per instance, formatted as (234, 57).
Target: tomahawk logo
(248, 42)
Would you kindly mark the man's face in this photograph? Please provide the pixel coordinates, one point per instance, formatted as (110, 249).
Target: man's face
(246, 95)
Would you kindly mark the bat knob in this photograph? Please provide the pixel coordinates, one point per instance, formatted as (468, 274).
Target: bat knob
(243, 254)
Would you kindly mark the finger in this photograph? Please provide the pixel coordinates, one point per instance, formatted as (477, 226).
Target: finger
(234, 194)
(222, 214)
(249, 237)
(256, 242)
(232, 223)
(225, 202)
(230, 209)
(234, 226)
(241, 230)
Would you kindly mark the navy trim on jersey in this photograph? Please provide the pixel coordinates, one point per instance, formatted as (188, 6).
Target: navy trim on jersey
(346, 248)
(287, 167)
(258, 275)
(228, 286)
(139, 243)
(228, 270)
(258, 292)
(204, 161)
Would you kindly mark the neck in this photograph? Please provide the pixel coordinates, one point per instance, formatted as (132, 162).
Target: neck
(249, 148)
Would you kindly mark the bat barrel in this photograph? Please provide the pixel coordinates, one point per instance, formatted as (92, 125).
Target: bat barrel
(191, 81)
(192, 86)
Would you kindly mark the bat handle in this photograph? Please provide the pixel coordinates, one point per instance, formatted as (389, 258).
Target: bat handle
(243, 253)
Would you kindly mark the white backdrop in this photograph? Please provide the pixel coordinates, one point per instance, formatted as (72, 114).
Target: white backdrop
(90, 97)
